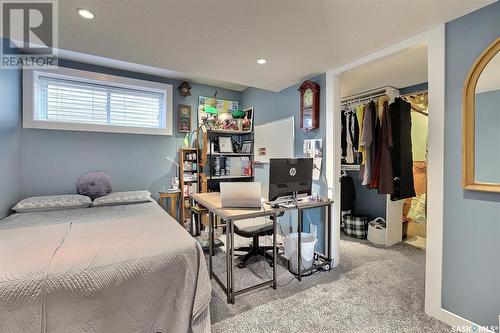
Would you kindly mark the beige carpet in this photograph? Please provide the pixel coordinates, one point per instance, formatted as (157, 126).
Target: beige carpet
(372, 290)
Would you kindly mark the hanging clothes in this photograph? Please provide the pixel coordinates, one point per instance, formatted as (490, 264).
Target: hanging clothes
(381, 102)
(354, 129)
(350, 148)
(347, 193)
(402, 160)
(343, 137)
(360, 112)
(386, 177)
(367, 141)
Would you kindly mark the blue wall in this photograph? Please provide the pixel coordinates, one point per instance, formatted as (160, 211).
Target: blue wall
(415, 88)
(10, 139)
(487, 140)
(53, 160)
(271, 106)
(471, 248)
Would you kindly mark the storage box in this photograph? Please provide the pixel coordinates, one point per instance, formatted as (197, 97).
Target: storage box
(377, 232)
(355, 225)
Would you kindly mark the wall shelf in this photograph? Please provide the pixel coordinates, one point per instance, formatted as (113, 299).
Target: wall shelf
(222, 131)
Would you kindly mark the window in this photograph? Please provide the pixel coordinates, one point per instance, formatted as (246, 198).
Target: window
(71, 99)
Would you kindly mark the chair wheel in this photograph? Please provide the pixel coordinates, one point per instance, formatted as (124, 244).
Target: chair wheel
(240, 265)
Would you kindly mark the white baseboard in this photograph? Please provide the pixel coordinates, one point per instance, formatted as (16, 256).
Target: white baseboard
(457, 323)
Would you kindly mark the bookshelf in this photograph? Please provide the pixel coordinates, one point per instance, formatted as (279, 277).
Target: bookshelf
(228, 166)
(188, 181)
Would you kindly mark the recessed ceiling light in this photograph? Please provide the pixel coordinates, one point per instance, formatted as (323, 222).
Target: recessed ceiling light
(85, 13)
(261, 61)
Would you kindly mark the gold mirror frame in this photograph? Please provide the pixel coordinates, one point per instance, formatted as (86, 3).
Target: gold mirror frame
(468, 125)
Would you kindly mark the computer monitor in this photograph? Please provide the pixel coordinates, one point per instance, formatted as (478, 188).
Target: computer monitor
(290, 178)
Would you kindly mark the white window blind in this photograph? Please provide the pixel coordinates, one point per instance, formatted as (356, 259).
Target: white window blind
(74, 101)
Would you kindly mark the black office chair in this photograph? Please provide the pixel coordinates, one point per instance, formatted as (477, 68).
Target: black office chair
(254, 228)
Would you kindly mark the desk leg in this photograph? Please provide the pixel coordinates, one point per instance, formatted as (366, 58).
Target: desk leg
(275, 252)
(228, 257)
(210, 242)
(299, 245)
(329, 235)
(231, 222)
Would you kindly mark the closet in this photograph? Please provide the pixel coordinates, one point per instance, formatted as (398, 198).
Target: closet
(356, 158)
(415, 209)
(393, 89)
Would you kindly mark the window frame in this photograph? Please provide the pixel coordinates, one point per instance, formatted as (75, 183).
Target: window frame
(30, 90)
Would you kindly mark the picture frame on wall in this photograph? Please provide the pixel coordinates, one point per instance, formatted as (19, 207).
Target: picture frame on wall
(225, 144)
(184, 118)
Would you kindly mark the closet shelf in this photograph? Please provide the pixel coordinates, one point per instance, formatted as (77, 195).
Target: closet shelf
(350, 167)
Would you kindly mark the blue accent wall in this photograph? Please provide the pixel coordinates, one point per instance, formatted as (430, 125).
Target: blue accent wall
(10, 139)
(271, 106)
(53, 160)
(487, 140)
(415, 88)
(471, 248)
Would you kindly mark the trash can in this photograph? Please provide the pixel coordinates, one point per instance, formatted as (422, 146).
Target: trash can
(290, 243)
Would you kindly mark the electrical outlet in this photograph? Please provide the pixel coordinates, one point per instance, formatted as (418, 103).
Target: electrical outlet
(314, 230)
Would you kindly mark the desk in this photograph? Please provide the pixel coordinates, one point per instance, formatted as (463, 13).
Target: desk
(172, 204)
(212, 202)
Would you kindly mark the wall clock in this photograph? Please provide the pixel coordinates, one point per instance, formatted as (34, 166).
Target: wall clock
(185, 89)
(309, 105)
(184, 118)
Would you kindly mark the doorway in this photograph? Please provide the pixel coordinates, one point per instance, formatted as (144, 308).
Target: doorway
(434, 39)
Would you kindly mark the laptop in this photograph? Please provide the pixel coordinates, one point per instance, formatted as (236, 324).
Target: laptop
(241, 195)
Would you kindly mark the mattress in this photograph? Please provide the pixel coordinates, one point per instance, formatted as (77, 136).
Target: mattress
(128, 268)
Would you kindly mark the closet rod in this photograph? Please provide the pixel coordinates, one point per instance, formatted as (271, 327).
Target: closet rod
(367, 94)
(362, 99)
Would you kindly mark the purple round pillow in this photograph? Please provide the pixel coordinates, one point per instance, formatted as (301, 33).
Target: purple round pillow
(94, 184)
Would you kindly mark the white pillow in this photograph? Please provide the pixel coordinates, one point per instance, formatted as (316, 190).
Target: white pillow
(52, 202)
(123, 198)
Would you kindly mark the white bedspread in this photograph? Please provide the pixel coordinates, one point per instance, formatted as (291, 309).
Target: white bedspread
(108, 269)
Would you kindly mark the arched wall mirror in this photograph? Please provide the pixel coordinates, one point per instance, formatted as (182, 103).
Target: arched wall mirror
(481, 123)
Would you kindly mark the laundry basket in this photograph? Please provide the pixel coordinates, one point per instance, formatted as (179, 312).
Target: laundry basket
(377, 232)
(308, 242)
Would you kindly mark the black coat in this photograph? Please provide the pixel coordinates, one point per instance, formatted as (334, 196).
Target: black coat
(402, 158)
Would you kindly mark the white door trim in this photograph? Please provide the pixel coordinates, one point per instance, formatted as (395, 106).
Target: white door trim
(435, 39)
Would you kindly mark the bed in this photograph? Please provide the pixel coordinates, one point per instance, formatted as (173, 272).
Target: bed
(129, 268)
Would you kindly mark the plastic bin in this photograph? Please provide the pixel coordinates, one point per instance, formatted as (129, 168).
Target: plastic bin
(377, 232)
(290, 243)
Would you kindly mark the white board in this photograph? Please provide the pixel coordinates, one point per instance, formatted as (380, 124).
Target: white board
(274, 140)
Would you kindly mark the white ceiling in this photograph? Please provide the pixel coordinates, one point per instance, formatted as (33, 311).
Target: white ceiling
(489, 79)
(220, 41)
(399, 70)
